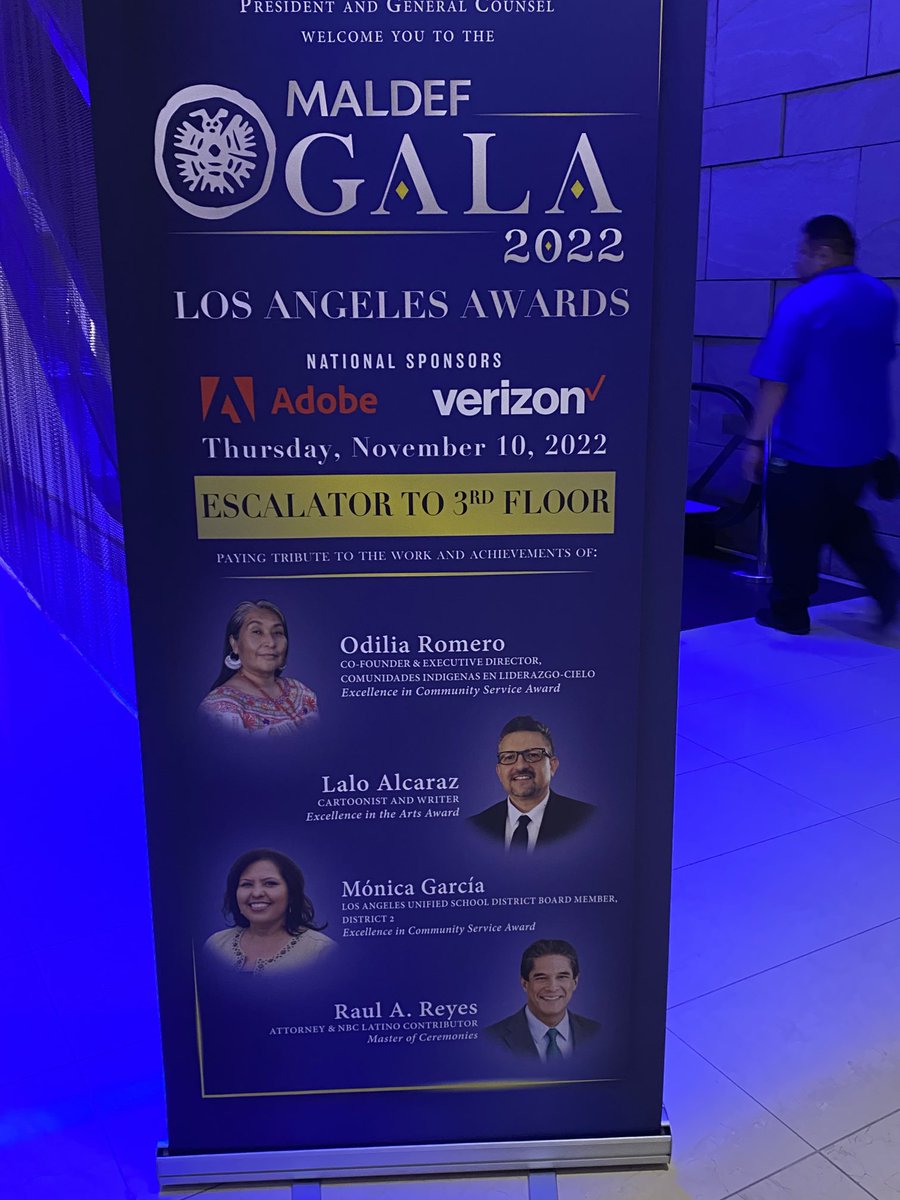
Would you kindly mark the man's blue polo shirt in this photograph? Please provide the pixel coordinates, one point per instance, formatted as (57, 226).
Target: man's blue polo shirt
(831, 341)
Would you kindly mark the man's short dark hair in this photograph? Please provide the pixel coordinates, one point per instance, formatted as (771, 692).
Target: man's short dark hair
(527, 725)
(833, 232)
(548, 946)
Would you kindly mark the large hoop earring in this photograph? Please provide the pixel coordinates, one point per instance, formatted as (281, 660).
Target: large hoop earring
(232, 662)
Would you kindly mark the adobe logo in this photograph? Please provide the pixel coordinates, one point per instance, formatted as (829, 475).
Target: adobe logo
(231, 399)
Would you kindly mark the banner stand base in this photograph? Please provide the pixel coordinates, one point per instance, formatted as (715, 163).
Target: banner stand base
(541, 1186)
(539, 1160)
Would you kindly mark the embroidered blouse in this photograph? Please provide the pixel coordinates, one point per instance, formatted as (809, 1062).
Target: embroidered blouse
(244, 712)
(304, 948)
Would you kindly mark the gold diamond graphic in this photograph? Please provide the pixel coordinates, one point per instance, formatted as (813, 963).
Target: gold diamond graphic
(548, 246)
(577, 188)
(402, 190)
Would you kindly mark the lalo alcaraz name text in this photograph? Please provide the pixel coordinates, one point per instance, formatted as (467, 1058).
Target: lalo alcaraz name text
(391, 783)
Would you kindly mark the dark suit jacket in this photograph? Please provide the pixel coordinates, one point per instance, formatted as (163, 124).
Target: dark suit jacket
(563, 816)
(513, 1034)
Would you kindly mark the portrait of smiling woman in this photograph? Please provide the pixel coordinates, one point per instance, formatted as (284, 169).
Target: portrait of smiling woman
(251, 694)
(274, 926)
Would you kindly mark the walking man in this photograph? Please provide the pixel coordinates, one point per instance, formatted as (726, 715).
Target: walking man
(824, 389)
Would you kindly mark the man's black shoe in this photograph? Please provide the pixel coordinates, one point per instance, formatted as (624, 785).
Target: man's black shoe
(771, 620)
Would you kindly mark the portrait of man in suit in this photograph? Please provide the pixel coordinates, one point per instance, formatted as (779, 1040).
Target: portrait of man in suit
(533, 815)
(546, 1028)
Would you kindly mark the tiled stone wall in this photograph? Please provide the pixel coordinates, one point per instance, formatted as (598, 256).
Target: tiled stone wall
(802, 117)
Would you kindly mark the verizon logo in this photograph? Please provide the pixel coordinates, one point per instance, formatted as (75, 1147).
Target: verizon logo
(508, 401)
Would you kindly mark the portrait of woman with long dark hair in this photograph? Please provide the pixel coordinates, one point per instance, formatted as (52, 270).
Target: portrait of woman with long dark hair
(272, 921)
(252, 695)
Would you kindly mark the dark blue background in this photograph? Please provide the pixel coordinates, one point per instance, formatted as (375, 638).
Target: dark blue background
(208, 800)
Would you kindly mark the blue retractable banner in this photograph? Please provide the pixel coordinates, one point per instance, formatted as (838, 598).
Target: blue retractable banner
(389, 377)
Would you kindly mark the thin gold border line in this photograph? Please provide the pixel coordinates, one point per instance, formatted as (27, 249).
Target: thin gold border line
(329, 232)
(476, 1085)
(659, 75)
(405, 574)
(559, 114)
(199, 1021)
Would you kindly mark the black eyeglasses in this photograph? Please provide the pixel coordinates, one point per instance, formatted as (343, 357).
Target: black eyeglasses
(506, 758)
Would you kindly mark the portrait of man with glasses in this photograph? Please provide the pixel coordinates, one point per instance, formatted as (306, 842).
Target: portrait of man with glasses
(532, 815)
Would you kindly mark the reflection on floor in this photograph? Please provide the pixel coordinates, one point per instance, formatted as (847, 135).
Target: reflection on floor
(783, 1071)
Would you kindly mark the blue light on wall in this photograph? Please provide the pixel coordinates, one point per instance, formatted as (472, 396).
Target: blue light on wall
(60, 523)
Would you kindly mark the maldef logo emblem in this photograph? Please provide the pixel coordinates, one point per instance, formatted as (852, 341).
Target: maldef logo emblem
(215, 151)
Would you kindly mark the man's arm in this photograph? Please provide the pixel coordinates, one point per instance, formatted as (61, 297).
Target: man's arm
(771, 398)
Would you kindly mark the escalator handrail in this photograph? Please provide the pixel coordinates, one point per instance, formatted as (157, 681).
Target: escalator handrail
(746, 410)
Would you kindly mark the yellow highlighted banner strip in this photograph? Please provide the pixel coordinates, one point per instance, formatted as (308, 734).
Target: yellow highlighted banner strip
(370, 506)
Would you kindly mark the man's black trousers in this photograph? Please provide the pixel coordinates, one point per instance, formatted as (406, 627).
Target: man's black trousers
(808, 508)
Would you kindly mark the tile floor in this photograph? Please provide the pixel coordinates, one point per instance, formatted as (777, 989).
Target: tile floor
(782, 1069)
